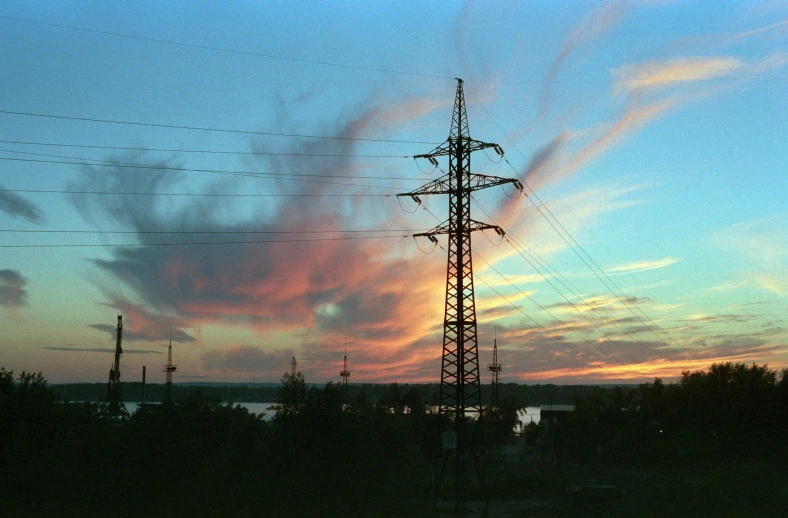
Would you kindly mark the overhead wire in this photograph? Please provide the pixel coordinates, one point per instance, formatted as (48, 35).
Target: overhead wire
(198, 194)
(553, 335)
(216, 130)
(170, 168)
(551, 315)
(639, 371)
(583, 260)
(578, 245)
(607, 337)
(547, 184)
(225, 50)
(39, 231)
(562, 280)
(221, 50)
(198, 151)
(202, 243)
(251, 174)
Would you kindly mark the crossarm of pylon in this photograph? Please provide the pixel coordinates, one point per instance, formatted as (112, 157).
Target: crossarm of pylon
(469, 144)
(443, 185)
(473, 226)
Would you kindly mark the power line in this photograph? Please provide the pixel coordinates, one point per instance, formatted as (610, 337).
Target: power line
(589, 342)
(559, 278)
(572, 247)
(217, 195)
(155, 166)
(553, 335)
(39, 231)
(226, 50)
(575, 241)
(286, 176)
(201, 243)
(542, 308)
(200, 128)
(201, 151)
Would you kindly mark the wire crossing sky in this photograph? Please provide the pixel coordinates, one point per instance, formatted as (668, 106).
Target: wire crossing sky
(230, 170)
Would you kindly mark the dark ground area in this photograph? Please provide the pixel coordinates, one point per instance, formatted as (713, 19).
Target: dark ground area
(712, 445)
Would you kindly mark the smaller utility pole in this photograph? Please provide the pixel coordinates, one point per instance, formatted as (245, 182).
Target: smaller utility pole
(345, 375)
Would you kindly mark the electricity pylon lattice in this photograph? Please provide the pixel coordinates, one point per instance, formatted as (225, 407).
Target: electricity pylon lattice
(116, 408)
(169, 369)
(460, 392)
(345, 375)
(495, 369)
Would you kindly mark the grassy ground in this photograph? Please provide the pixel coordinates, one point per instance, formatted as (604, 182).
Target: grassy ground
(544, 490)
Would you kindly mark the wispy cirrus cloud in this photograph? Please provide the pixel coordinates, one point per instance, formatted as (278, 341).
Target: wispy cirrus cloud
(381, 293)
(728, 286)
(103, 351)
(593, 25)
(652, 74)
(642, 266)
(140, 324)
(16, 206)
(761, 246)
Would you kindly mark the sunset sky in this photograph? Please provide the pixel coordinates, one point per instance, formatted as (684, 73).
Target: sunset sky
(652, 136)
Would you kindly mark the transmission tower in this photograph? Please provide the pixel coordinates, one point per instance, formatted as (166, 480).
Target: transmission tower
(345, 375)
(142, 402)
(495, 369)
(169, 369)
(460, 393)
(116, 407)
(293, 365)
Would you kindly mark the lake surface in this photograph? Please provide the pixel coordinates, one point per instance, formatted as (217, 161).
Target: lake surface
(529, 415)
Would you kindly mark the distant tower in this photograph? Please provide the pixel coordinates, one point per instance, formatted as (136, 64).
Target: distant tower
(116, 407)
(345, 375)
(143, 386)
(169, 369)
(495, 368)
(293, 365)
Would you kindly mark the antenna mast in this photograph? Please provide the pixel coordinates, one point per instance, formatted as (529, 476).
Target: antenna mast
(169, 369)
(116, 407)
(495, 368)
(460, 393)
(345, 375)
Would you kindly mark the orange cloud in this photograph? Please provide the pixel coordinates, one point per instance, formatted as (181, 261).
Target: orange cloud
(678, 70)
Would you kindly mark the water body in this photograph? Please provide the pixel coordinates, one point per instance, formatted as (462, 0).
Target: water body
(529, 415)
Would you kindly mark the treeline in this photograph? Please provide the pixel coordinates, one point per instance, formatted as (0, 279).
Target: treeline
(323, 456)
(202, 457)
(531, 395)
(732, 413)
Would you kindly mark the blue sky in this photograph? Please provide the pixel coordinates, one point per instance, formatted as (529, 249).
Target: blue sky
(653, 131)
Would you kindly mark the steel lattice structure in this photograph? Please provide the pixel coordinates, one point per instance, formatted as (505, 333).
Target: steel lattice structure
(345, 375)
(495, 368)
(116, 408)
(460, 392)
(169, 369)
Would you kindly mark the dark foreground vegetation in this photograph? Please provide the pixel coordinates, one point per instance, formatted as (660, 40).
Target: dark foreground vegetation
(712, 444)
(239, 393)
